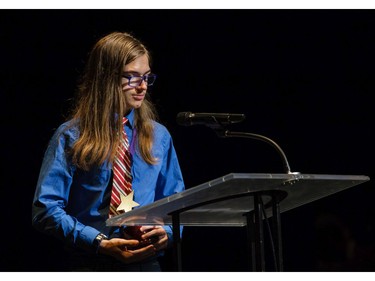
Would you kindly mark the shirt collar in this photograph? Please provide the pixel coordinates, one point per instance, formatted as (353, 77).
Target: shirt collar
(130, 117)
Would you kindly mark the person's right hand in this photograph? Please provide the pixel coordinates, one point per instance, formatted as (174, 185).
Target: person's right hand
(121, 249)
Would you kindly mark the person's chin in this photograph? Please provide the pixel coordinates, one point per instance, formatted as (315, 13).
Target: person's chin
(136, 104)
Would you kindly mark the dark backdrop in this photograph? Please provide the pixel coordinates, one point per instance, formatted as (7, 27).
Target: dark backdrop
(304, 78)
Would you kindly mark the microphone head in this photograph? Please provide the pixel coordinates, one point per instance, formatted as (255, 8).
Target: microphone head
(213, 120)
(184, 118)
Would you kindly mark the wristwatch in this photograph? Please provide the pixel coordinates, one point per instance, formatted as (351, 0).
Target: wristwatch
(98, 239)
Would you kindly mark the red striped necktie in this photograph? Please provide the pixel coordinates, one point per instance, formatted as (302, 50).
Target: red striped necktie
(122, 193)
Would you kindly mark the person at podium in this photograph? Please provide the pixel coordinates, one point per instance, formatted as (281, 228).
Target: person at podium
(111, 142)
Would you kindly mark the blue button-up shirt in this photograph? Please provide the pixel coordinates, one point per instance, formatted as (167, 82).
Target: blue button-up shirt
(73, 205)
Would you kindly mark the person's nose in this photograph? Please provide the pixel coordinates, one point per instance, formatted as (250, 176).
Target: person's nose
(142, 86)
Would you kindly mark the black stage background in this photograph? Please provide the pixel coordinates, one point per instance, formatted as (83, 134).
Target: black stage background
(304, 78)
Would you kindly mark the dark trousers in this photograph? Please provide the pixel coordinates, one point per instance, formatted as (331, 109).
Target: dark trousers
(79, 262)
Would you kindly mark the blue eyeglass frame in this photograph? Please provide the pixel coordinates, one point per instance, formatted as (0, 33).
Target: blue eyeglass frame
(143, 78)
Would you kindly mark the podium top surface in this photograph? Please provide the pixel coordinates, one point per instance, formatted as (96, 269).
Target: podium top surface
(225, 200)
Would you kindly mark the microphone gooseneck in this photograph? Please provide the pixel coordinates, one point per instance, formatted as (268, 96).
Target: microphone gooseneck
(264, 139)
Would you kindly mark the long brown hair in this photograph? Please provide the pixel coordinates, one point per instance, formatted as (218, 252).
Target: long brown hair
(101, 100)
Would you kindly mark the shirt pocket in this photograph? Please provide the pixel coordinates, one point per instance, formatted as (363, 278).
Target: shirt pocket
(94, 179)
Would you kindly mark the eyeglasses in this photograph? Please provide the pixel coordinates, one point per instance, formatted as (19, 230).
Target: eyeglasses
(136, 81)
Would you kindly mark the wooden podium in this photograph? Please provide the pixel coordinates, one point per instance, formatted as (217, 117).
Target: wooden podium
(239, 199)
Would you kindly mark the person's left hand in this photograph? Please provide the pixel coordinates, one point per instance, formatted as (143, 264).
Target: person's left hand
(157, 234)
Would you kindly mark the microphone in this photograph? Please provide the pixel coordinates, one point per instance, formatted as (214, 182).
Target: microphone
(208, 119)
(217, 121)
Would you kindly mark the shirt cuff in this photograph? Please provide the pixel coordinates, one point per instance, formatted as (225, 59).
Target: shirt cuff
(87, 237)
